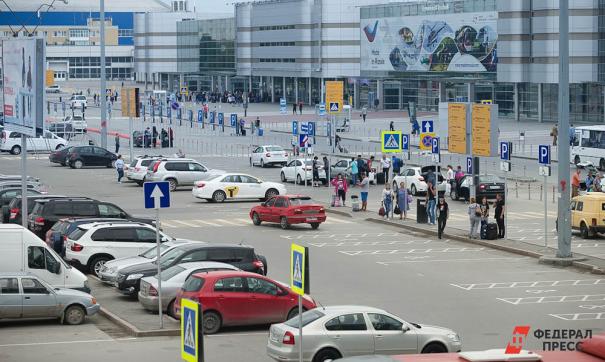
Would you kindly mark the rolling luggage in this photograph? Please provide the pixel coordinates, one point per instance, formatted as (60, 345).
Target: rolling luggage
(489, 231)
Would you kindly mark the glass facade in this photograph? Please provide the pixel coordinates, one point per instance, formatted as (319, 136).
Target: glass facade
(206, 46)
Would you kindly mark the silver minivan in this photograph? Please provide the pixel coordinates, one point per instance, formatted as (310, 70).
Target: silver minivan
(179, 172)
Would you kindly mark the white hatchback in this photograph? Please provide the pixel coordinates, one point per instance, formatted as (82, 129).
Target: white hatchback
(219, 188)
(90, 246)
(11, 142)
(269, 156)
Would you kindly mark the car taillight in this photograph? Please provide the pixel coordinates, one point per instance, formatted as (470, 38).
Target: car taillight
(288, 338)
(152, 291)
(258, 264)
(322, 210)
(199, 185)
(267, 155)
(39, 220)
(298, 211)
(482, 187)
(156, 166)
(420, 178)
(76, 247)
(14, 213)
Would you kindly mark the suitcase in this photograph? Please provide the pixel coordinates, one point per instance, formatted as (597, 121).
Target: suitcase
(335, 201)
(489, 231)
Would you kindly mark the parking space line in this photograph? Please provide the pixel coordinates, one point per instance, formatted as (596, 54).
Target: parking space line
(342, 236)
(227, 222)
(555, 299)
(186, 223)
(410, 251)
(208, 223)
(387, 263)
(368, 243)
(336, 220)
(531, 284)
(167, 224)
(64, 342)
(579, 316)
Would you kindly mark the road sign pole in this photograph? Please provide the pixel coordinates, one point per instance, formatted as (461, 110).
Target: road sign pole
(157, 243)
(24, 211)
(130, 139)
(305, 165)
(300, 328)
(505, 203)
(545, 214)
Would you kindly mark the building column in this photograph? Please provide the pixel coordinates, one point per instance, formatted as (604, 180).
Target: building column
(470, 92)
(296, 89)
(442, 92)
(515, 102)
(272, 89)
(379, 91)
(283, 87)
(355, 104)
(181, 80)
(227, 83)
(309, 91)
(540, 112)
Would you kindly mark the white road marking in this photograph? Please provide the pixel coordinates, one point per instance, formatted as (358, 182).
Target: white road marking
(555, 299)
(449, 260)
(227, 222)
(592, 307)
(579, 316)
(185, 223)
(367, 243)
(341, 221)
(540, 291)
(332, 236)
(65, 342)
(531, 284)
(410, 251)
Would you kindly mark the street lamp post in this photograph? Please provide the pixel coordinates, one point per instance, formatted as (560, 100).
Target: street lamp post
(103, 92)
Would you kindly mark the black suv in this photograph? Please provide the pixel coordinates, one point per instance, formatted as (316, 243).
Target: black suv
(240, 256)
(47, 212)
(13, 210)
(81, 156)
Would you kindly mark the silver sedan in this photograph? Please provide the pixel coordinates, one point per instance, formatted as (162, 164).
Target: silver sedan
(173, 279)
(334, 332)
(26, 296)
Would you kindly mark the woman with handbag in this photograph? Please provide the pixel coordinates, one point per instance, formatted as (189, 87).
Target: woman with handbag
(443, 212)
(387, 200)
(484, 211)
(474, 214)
(403, 201)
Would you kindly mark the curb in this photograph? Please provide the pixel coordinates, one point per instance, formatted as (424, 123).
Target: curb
(337, 212)
(134, 331)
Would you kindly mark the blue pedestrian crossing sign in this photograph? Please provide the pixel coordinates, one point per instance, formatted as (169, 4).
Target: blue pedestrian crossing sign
(299, 264)
(391, 141)
(233, 120)
(221, 118)
(157, 194)
(192, 346)
(334, 107)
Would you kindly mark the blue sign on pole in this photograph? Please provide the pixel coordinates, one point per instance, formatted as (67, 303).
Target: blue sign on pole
(303, 139)
(469, 165)
(405, 142)
(200, 116)
(294, 127)
(427, 126)
(157, 194)
(282, 106)
(322, 109)
(233, 119)
(311, 128)
(544, 154)
(304, 128)
(435, 145)
(505, 149)
(168, 113)
(190, 115)
(211, 117)
(221, 118)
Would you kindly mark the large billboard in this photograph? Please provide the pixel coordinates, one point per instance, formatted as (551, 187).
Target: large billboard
(23, 72)
(462, 42)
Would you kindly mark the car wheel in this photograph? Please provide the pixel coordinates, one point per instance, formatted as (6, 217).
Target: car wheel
(172, 184)
(584, 232)
(78, 164)
(413, 189)
(59, 147)
(63, 164)
(262, 163)
(299, 180)
(256, 219)
(74, 315)
(327, 354)
(111, 164)
(271, 193)
(602, 164)
(140, 183)
(294, 312)
(576, 160)
(219, 196)
(282, 177)
(170, 309)
(212, 322)
(314, 225)
(95, 265)
(283, 222)
(16, 150)
(434, 348)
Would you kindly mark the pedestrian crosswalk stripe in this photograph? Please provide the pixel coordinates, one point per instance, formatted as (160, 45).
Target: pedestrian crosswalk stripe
(205, 222)
(184, 223)
(227, 222)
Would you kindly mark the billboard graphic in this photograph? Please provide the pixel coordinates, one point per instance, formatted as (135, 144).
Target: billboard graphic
(23, 72)
(464, 42)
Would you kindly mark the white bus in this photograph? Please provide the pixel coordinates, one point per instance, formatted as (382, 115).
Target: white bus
(588, 146)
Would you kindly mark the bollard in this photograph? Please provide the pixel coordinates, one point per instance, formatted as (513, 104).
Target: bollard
(541, 192)
(529, 191)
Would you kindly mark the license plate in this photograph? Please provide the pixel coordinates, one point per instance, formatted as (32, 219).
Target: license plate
(311, 219)
(494, 187)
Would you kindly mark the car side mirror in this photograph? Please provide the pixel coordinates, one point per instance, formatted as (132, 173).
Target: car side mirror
(405, 328)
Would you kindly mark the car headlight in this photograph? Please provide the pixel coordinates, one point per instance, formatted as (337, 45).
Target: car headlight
(134, 276)
(454, 337)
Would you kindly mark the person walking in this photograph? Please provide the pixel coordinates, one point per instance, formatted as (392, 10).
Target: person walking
(554, 133)
(361, 167)
(403, 201)
(449, 179)
(386, 167)
(257, 122)
(484, 206)
(392, 126)
(340, 187)
(326, 163)
(499, 215)
(147, 138)
(430, 205)
(572, 134)
(364, 113)
(294, 108)
(443, 213)
(171, 136)
(355, 173)
(117, 141)
(474, 214)
(154, 136)
(575, 183)
(387, 200)
(365, 189)
(300, 106)
(315, 168)
(397, 163)
(119, 164)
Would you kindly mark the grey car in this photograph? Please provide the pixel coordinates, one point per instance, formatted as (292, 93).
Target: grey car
(178, 172)
(343, 167)
(25, 296)
(344, 331)
(173, 279)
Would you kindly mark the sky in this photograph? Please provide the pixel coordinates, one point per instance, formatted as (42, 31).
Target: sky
(214, 6)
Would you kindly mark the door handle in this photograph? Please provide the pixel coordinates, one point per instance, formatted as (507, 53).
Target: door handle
(336, 337)
(379, 336)
(27, 298)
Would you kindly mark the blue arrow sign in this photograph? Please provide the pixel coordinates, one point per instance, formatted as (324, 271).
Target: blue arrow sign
(427, 126)
(157, 194)
(304, 128)
(405, 142)
(544, 154)
(294, 127)
(233, 120)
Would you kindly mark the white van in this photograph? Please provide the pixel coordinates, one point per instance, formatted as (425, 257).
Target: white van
(22, 251)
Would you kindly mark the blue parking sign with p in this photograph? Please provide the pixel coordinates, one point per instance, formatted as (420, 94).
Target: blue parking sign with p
(221, 118)
(505, 149)
(311, 128)
(212, 117)
(544, 154)
(294, 127)
(469, 165)
(435, 145)
(405, 142)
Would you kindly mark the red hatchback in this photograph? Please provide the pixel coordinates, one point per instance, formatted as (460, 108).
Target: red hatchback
(289, 209)
(237, 298)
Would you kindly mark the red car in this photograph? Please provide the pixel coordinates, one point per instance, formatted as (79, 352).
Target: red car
(238, 298)
(289, 209)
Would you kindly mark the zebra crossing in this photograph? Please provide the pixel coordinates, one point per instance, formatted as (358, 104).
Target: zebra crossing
(228, 223)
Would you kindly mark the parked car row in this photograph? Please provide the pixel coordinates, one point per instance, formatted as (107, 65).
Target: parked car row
(10, 141)
(83, 156)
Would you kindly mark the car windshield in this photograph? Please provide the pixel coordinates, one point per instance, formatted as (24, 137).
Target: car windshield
(489, 178)
(307, 317)
(153, 252)
(170, 256)
(171, 272)
(301, 201)
(274, 149)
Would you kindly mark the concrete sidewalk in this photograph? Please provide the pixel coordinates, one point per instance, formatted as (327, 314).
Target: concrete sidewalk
(544, 254)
